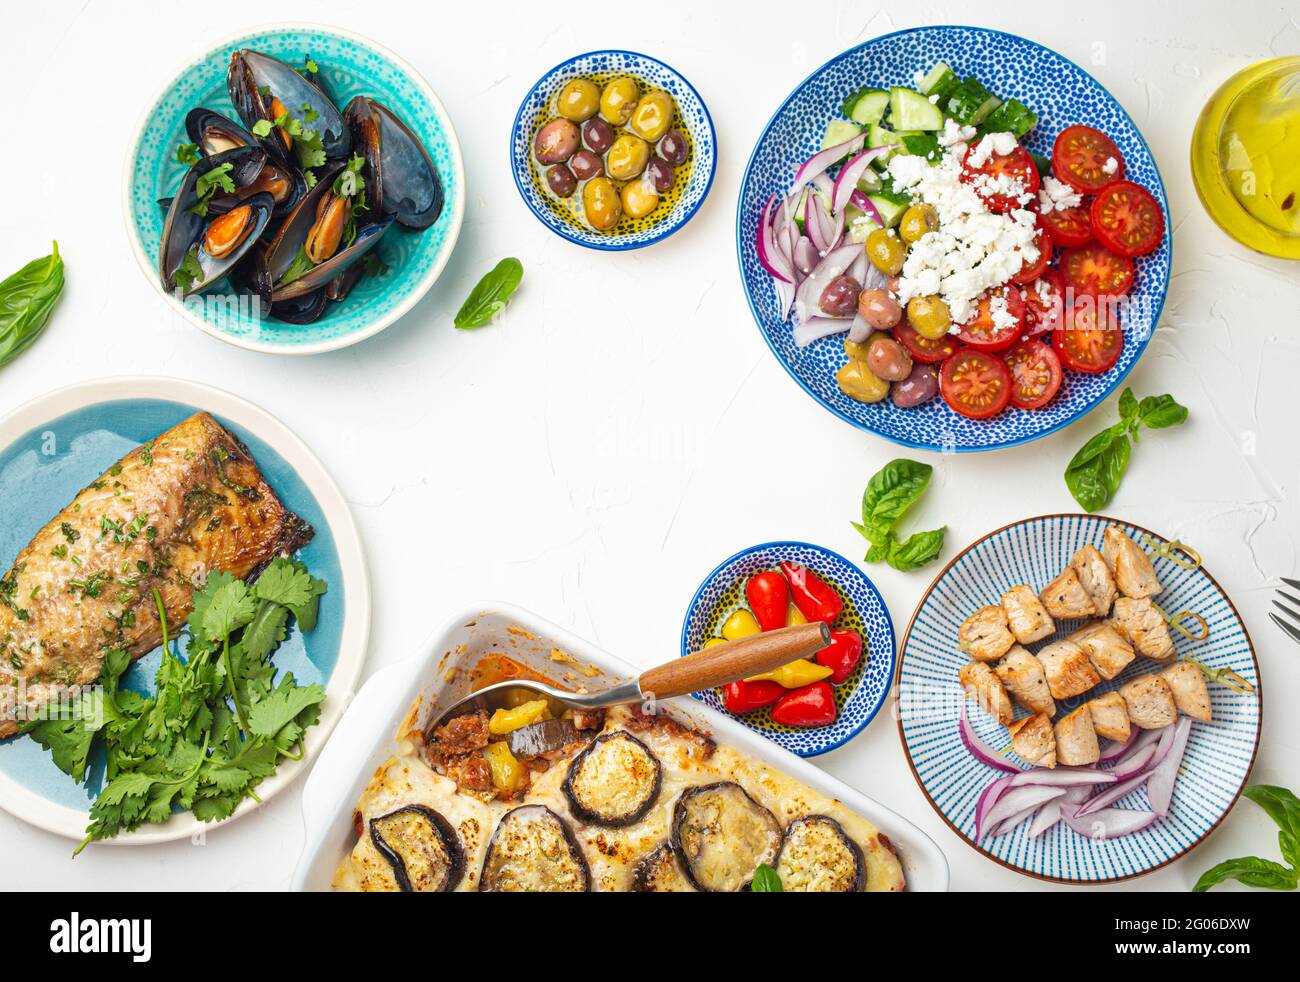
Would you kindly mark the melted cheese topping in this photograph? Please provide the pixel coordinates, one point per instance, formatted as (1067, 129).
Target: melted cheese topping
(612, 854)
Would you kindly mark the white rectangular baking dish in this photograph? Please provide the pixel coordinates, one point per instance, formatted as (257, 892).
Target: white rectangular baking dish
(440, 674)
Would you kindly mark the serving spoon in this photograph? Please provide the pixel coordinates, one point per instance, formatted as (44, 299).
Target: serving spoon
(707, 669)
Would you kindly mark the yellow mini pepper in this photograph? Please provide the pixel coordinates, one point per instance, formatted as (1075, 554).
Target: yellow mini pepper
(795, 675)
(793, 616)
(504, 721)
(507, 772)
(741, 624)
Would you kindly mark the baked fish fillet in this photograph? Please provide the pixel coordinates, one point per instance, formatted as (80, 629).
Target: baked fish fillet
(187, 503)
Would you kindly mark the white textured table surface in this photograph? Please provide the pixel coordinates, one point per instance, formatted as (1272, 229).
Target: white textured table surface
(593, 455)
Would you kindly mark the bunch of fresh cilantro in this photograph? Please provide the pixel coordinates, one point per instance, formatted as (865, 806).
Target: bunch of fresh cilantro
(218, 722)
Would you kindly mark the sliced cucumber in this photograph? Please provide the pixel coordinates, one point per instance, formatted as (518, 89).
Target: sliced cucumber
(985, 109)
(879, 136)
(890, 211)
(859, 225)
(940, 81)
(866, 106)
(839, 131)
(869, 181)
(910, 110)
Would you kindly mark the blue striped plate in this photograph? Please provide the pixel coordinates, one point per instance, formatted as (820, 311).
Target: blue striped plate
(1219, 755)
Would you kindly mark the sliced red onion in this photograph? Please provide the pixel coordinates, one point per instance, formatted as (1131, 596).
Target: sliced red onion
(808, 296)
(1112, 794)
(805, 256)
(813, 329)
(1115, 748)
(817, 230)
(785, 293)
(1160, 789)
(824, 184)
(1108, 823)
(1138, 762)
(987, 799)
(859, 268)
(823, 160)
(769, 256)
(1017, 802)
(864, 204)
(980, 750)
(1063, 777)
(1047, 817)
(847, 181)
(858, 334)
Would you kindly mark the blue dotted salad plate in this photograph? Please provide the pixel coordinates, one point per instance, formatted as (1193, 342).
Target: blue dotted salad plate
(1062, 95)
(690, 169)
(951, 759)
(858, 696)
(409, 260)
(53, 447)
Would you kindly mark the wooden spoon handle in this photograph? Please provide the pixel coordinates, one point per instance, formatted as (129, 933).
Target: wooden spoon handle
(734, 660)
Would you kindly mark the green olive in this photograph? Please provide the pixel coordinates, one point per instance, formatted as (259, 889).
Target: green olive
(579, 100)
(627, 157)
(639, 199)
(858, 382)
(917, 221)
(929, 317)
(856, 351)
(600, 204)
(652, 116)
(886, 251)
(619, 99)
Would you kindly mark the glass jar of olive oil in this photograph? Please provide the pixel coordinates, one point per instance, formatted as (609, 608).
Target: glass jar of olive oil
(1246, 157)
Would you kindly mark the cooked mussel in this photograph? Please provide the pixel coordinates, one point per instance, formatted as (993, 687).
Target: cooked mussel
(264, 88)
(818, 857)
(422, 847)
(214, 133)
(721, 835)
(305, 308)
(614, 781)
(533, 850)
(401, 177)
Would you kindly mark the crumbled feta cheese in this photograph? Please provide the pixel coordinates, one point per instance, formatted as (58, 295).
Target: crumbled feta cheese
(1110, 166)
(934, 99)
(1056, 195)
(994, 143)
(1000, 312)
(918, 77)
(954, 133)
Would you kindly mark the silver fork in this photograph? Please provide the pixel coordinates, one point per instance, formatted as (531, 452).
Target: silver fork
(1291, 612)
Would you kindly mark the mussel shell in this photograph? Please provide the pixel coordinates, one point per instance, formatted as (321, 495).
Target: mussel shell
(201, 124)
(338, 288)
(181, 228)
(320, 277)
(401, 179)
(251, 71)
(215, 268)
(304, 309)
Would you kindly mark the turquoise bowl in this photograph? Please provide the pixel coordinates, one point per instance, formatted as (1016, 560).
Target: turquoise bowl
(350, 65)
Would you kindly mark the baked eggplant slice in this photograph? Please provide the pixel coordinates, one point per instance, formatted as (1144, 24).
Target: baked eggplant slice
(533, 851)
(422, 847)
(614, 781)
(817, 857)
(721, 835)
(660, 872)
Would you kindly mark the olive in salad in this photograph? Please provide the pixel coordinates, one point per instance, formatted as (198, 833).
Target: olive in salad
(612, 152)
(955, 262)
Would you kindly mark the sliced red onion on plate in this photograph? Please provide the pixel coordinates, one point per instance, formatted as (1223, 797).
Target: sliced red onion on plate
(864, 204)
(812, 329)
(1160, 788)
(1108, 823)
(805, 256)
(1112, 794)
(978, 748)
(847, 181)
(769, 256)
(1015, 803)
(809, 295)
(858, 334)
(1115, 748)
(823, 160)
(1047, 817)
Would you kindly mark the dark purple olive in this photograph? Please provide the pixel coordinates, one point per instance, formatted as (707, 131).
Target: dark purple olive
(561, 180)
(598, 134)
(840, 298)
(586, 165)
(660, 173)
(920, 386)
(673, 147)
(555, 142)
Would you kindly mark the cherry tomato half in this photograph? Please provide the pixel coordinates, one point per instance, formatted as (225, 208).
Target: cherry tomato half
(1080, 156)
(975, 383)
(1127, 219)
(1095, 271)
(1017, 166)
(1069, 226)
(1035, 374)
(922, 349)
(982, 333)
(1034, 270)
(1044, 303)
(1090, 339)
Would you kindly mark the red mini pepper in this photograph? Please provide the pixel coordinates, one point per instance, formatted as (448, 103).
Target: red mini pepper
(815, 600)
(841, 655)
(813, 705)
(744, 696)
(768, 594)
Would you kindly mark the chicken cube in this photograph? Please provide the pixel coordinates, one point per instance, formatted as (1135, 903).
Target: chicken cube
(1028, 619)
(1110, 717)
(1022, 674)
(984, 635)
(1032, 738)
(1076, 740)
(1066, 598)
(1134, 574)
(1105, 647)
(1142, 626)
(1068, 671)
(1096, 578)
(978, 680)
(1191, 694)
(1150, 702)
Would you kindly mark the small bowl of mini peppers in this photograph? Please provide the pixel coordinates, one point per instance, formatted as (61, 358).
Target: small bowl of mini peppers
(815, 704)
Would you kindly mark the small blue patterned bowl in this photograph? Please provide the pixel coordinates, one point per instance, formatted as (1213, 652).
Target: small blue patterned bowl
(1062, 94)
(859, 697)
(350, 65)
(683, 200)
(1219, 755)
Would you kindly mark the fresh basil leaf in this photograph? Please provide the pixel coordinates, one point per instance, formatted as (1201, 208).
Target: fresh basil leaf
(890, 492)
(1290, 846)
(766, 880)
(1128, 405)
(1281, 805)
(916, 551)
(26, 300)
(1094, 481)
(491, 295)
(1250, 870)
(1159, 412)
